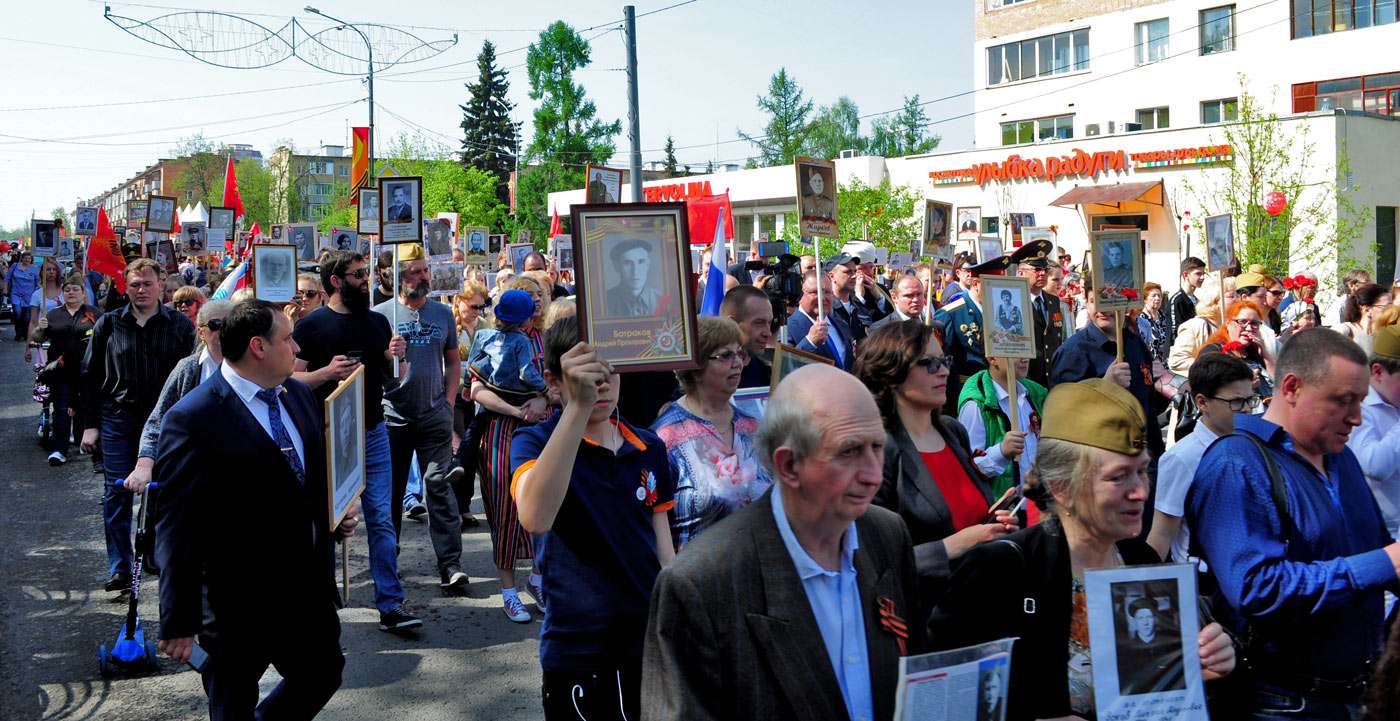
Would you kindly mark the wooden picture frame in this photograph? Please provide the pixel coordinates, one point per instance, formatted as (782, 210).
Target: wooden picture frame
(636, 301)
(274, 272)
(1010, 326)
(788, 358)
(816, 197)
(345, 426)
(160, 213)
(602, 184)
(1116, 261)
(367, 212)
(401, 210)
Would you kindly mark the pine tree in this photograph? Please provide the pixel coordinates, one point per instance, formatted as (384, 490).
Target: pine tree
(787, 127)
(670, 164)
(490, 140)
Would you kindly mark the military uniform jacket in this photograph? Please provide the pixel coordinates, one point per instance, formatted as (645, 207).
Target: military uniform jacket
(962, 329)
(1049, 333)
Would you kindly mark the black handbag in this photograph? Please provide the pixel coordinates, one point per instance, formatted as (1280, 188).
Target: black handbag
(51, 373)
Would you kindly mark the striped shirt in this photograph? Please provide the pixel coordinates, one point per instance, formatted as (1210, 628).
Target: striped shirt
(127, 363)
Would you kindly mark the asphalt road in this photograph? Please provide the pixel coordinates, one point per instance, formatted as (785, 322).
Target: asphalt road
(467, 662)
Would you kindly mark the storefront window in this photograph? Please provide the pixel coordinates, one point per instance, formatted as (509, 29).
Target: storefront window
(1218, 30)
(1151, 38)
(1372, 93)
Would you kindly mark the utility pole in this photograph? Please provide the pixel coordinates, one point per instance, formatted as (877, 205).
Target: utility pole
(629, 15)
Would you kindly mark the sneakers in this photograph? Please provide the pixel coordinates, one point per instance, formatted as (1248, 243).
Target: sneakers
(417, 511)
(57, 459)
(537, 592)
(118, 582)
(398, 619)
(515, 610)
(454, 580)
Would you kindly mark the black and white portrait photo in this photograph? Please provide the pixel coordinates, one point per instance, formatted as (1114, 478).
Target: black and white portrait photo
(277, 231)
(401, 210)
(85, 221)
(194, 238)
(160, 213)
(221, 221)
(438, 233)
(368, 211)
(1008, 313)
(1148, 637)
(1118, 263)
(303, 236)
(45, 238)
(566, 257)
(632, 277)
(494, 243)
(517, 253)
(274, 272)
(1220, 243)
(445, 279)
(969, 223)
(165, 255)
(344, 239)
(992, 688)
(936, 223)
(476, 240)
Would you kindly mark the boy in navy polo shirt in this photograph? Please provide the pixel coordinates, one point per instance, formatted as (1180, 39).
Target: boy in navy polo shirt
(595, 490)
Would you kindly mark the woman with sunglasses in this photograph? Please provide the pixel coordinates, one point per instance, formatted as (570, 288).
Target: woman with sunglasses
(710, 441)
(66, 328)
(308, 297)
(188, 373)
(930, 479)
(469, 312)
(1242, 337)
(188, 300)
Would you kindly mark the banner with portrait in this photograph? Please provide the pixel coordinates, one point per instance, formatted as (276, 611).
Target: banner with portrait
(816, 197)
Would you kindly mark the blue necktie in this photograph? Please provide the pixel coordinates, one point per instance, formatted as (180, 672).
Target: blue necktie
(279, 432)
(834, 345)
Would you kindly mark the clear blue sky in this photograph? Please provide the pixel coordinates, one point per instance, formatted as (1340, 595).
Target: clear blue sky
(701, 66)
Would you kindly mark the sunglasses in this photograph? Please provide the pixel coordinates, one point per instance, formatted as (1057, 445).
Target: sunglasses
(933, 364)
(214, 324)
(477, 308)
(360, 274)
(183, 303)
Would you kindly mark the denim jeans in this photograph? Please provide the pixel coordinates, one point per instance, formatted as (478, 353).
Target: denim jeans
(376, 503)
(62, 397)
(20, 318)
(430, 440)
(413, 492)
(120, 436)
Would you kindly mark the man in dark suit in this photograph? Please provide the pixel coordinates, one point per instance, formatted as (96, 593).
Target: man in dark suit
(1034, 264)
(399, 210)
(247, 444)
(820, 331)
(796, 606)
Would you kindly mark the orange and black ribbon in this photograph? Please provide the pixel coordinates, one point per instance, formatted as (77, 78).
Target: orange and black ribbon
(893, 624)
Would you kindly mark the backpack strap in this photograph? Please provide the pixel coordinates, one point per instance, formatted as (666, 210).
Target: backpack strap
(1276, 486)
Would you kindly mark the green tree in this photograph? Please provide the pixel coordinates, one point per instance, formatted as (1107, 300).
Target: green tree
(883, 214)
(786, 131)
(904, 132)
(1322, 223)
(568, 133)
(490, 139)
(61, 214)
(255, 187)
(836, 128)
(204, 169)
(669, 164)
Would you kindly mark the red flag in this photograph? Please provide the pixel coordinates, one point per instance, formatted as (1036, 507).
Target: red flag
(555, 227)
(175, 222)
(104, 253)
(700, 215)
(231, 197)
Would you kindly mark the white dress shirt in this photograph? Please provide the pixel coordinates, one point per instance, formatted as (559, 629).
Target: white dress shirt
(995, 462)
(247, 392)
(1376, 443)
(1176, 470)
(207, 366)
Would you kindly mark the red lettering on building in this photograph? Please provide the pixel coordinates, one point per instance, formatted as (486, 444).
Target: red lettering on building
(676, 191)
(1078, 163)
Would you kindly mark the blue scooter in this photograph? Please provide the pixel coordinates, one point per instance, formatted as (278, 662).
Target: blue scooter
(131, 653)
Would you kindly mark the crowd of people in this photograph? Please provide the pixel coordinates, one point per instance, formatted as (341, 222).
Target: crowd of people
(696, 555)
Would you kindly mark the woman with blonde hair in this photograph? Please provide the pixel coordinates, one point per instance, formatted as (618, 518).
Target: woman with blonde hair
(188, 300)
(46, 297)
(1193, 334)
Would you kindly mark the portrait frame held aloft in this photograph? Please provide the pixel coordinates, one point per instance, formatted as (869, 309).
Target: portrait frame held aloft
(476, 240)
(989, 247)
(194, 239)
(345, 446)
(1019, 222)
(938, 218)
(517, 253)
(438, 238)
(274, 272)
(1117, 265)
(44, 238)
(160, 213)
(1219, 232)
(632, 277)
(969, 223)
(1006, 300)
(85, 221)
(367, 213)
(787, 358)
(602, 185)
(303, 237)
(401, 210)
(342, 238)
(816, 197)
(164, 255)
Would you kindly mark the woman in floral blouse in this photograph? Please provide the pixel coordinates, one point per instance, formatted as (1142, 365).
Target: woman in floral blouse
(709, 441)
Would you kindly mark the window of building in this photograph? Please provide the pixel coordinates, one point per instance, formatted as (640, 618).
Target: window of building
(1217, 30)
(1060, 127)
(321, 189)
(1219, 111)
(1154, 118)
(1151, 38)
(1379, 93)
(1038, 57)
(1319, 17)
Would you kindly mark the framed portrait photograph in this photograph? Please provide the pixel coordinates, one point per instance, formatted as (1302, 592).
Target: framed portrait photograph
(160, 213)
(277, 232)
(452, 220)
(165, 255)
(604, 185)
(439, 238)
(474, 240)
(937, 217)
(988, 247)
(1030, 234)
(194, 239)
(342, 238)
(517, 254)
(969, 223)
(816, 197)
(65, 247)
(149, 241)
(274, 272)
(445, 278)
(221, 221)
(787, 358)
(85, 221)
(1116, 260)
(136, 210)
(367, 211)
(345, 445)
(565, 259)
(524, 236)
(1220, 242)
(1006, 303)
(1019, 221)
(401, 210)
(303, 237)
(45, 235)
(898, 260)
(1143, 624)
(633, 284)
(494, 243)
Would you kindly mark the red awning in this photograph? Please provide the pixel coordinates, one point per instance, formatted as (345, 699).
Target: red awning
(1114, 195)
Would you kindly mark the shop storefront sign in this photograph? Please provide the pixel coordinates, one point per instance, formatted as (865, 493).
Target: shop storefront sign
(1078, 164)
(676, 191)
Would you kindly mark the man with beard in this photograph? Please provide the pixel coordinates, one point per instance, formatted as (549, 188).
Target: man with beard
(418, 411)
(335, 339)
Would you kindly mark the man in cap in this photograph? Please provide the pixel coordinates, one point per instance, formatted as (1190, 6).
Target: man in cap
(842, 271)
(1376, 442)
(1034, 264)
(1282, 514)
(816, 329)
(963, 325)
(632, 259)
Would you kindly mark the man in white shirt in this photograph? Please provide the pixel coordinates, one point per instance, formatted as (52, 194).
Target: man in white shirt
(1377, 442)
(1017, 444)
(1223, 386)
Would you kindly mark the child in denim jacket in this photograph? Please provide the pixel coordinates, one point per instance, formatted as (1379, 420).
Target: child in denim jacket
(503, 357)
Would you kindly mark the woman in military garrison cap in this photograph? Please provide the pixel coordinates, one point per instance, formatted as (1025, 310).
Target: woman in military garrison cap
(1090, 479)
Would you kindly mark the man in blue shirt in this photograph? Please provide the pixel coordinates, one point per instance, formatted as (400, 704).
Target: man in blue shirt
(1306, 576)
